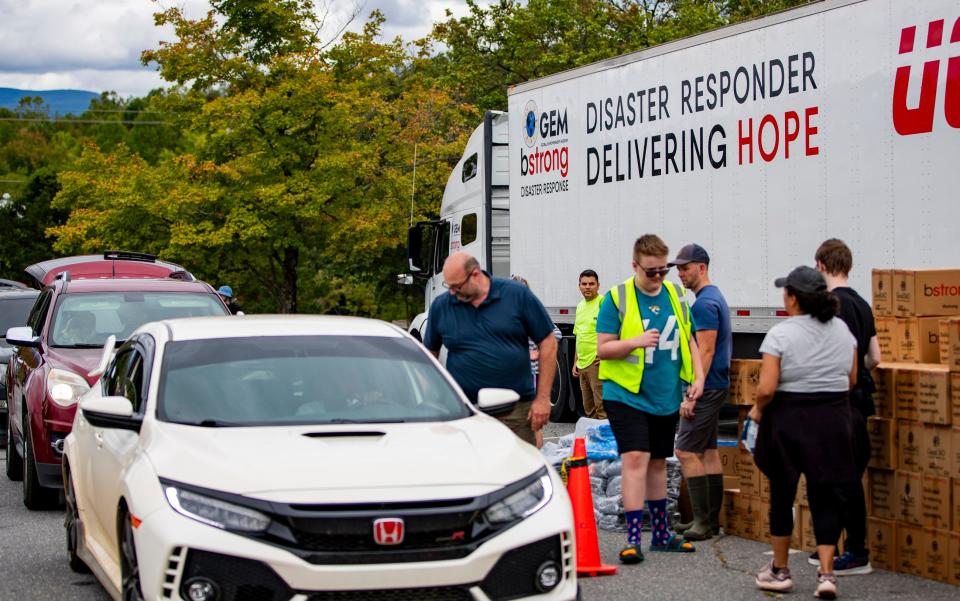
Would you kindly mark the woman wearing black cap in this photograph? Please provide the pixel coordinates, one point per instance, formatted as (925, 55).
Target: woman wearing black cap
(803, 411)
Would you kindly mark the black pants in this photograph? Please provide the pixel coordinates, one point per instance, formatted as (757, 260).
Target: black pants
(854, 517)
(809, 434)
(826, 506)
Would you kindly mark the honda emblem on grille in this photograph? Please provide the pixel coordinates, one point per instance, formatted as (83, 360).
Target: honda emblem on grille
(388, 531)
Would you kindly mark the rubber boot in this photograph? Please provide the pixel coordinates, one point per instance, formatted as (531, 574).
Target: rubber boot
(699, 489)
(715, 483)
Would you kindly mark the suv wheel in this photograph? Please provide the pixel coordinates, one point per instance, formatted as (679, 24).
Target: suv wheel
(14, 462)
(34, 496)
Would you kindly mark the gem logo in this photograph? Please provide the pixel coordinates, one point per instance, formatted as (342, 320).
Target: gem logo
(530, 124)
(919, 120)
(388, 531)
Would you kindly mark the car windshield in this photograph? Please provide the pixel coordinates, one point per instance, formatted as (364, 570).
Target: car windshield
(302, 380)
(86, 320)
(13, 313)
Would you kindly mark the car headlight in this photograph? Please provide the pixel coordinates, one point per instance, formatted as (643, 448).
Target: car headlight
(215, 512)
(526, 501)
(65, 387)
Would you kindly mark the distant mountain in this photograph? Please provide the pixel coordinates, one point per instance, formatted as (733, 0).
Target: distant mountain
(61, 102)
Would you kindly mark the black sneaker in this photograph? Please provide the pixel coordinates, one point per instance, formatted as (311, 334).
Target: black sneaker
(631, 554)
(849, 564)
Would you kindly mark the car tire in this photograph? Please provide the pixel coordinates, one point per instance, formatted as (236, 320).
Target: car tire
(14, 461)
(35, 496)
(130, 588)
(71, 524)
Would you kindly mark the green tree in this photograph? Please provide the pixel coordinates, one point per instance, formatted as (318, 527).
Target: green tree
(24, 219)
(297, 187)
(512, 41)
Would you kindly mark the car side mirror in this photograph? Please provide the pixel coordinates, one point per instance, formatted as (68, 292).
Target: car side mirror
(108, 347)
(497, 401)
(22, 336)
(114, 412)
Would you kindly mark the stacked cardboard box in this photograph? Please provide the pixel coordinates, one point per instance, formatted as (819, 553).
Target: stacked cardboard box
(914, 473)
(746, 510)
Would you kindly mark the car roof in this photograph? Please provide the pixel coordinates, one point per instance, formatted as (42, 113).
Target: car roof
(244, 326)
(8, 293)
(111, 264)
(132, 285)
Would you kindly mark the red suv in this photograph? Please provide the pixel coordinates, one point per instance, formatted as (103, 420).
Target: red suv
(84, 301)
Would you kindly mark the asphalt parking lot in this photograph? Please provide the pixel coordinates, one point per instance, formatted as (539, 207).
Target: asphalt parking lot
(33, 566)
(724, 568)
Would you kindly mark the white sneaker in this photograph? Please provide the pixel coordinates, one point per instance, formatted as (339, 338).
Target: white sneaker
(781, 581)
(826, 586)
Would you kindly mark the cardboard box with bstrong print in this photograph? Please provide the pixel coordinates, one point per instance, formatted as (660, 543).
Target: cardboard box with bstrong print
(911, 558)
(881, 292)
(882, 542)
(887, 337)
(926, 292)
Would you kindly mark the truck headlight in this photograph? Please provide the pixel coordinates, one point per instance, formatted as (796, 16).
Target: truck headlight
(526, 501)
(65, 387)
(214, 512)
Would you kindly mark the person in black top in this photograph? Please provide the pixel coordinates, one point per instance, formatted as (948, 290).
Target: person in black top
(835, 261)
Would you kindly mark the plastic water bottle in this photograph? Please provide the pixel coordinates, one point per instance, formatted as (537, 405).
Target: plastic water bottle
(749, 436)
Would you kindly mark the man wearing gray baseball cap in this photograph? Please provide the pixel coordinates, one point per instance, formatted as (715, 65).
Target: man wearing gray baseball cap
(696, 445)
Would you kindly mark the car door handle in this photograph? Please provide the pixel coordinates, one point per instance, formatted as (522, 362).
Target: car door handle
(99, 438)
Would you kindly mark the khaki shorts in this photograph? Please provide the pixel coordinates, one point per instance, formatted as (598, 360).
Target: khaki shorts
(517, 421)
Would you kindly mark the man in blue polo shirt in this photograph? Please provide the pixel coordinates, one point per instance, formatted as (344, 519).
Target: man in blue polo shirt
(486, 323)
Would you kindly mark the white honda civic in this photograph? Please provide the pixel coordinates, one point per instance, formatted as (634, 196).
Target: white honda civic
(305, 458)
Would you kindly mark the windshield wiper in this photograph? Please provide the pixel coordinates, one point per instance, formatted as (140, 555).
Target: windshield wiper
(78, 346)
(364, 421)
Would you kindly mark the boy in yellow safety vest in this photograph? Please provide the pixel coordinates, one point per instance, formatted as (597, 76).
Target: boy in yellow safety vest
(647, 353)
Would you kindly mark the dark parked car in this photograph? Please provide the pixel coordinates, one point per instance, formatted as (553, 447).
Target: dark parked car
(15, 303)
(82, 304)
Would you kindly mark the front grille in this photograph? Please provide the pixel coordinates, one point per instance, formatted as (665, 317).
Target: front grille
(514, 574)
(238, 579)
(406, 594)
(350, 535)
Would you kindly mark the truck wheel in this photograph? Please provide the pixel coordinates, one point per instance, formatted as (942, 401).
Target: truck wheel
(14, 462)
(560, 410)
(34, 496)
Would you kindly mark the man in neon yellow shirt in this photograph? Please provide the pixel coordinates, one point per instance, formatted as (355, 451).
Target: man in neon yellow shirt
(586, 365)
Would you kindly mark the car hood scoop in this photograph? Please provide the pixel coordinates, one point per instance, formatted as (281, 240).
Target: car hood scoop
(347, 434)
(337, 463)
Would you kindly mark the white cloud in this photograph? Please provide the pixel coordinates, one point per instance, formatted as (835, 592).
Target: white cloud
(96, 44)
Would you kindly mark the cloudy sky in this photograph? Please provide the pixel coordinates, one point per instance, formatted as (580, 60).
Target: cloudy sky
(95, 44)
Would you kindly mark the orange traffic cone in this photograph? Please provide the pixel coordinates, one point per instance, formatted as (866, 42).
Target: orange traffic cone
(578, 486)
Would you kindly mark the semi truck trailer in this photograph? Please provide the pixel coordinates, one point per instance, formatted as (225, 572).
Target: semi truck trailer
(758, 141)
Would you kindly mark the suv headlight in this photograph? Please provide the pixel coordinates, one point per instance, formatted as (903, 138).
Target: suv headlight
(65, 387)
(214, 512)
(526, 501)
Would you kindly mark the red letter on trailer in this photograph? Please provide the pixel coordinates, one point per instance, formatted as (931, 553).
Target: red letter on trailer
(811, 130)
(745, 141)
(789, 135)
(768, 156)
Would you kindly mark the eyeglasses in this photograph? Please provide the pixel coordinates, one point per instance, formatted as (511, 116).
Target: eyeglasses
(457, 287)
(656, 271)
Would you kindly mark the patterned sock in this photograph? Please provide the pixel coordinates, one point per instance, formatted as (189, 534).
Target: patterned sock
(658, 521)
(634, 522)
